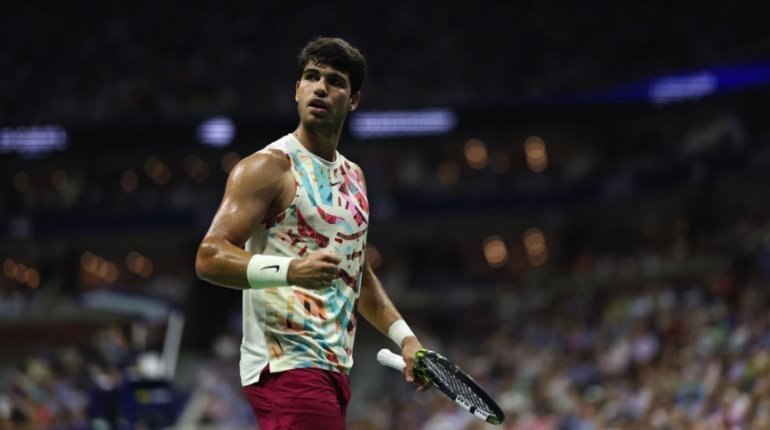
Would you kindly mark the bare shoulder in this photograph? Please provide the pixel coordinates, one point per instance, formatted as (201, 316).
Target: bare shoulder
(261, 167)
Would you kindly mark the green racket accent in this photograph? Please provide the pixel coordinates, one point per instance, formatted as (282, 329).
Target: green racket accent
(419, 370)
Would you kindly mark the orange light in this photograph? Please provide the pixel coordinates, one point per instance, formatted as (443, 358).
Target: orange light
(20, 273)
(476, 153)
(537, 157)
(535, 246)
(102, 268)
(33, 278)
(9, 266)
(145, 270)
(110, 273)
(495, 251)
(161, 173)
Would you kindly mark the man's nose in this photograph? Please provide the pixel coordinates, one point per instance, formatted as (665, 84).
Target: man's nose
(320, 88)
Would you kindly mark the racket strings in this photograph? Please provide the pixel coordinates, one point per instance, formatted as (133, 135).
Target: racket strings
(458, 385)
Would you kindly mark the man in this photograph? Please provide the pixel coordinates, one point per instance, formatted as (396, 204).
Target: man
(291, 233)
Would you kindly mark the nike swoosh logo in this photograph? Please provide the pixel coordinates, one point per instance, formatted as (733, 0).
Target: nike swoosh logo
(271, 267)
(334, 184)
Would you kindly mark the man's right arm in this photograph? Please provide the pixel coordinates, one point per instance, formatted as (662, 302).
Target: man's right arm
(255, 185)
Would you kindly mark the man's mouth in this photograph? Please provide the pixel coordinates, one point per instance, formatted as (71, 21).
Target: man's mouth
(318, 105)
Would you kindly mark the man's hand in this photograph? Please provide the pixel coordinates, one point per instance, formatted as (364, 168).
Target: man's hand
(315, 271)
(409, 350)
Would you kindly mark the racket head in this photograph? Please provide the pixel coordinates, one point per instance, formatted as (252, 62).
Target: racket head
(457, 385)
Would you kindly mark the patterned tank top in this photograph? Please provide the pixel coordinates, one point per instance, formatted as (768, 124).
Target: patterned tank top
(294, 327)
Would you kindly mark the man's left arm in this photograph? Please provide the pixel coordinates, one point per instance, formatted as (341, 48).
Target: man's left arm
(375, 305)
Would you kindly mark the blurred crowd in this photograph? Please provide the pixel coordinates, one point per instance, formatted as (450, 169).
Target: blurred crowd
(639, 350)
(147, 62)
(75, 386)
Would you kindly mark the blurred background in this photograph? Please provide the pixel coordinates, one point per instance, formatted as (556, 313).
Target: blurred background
(568, 200)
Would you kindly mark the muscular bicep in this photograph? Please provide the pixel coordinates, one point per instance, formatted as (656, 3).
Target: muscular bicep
(254, 186)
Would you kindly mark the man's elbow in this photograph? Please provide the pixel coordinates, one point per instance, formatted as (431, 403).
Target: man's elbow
(204, 261)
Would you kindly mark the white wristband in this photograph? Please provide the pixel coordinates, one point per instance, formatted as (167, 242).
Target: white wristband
(398, 331)
(265, 271)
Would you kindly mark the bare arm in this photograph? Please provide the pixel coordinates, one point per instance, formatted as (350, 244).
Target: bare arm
(258, 186)
(375, 305)
(255, 184)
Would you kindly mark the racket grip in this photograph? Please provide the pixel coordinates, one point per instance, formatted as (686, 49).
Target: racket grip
(387, 358)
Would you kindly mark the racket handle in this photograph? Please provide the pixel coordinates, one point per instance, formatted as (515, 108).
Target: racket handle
(387, 358)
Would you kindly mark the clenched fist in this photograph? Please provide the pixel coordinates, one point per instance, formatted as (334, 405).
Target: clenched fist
(317, 270)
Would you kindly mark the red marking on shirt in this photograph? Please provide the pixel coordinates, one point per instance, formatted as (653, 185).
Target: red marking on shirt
(295, 238)
(306, 230)
(343, 188)
(272, 221)
(362, 201)
(329, 218)
(350, 281)
(352, 236)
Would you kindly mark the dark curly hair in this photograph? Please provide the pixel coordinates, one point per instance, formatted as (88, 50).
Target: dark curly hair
(337, 53)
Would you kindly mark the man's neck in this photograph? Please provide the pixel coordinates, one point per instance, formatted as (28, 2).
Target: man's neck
(321, 144)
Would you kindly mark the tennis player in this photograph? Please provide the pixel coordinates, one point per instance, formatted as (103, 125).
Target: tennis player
(291, 233)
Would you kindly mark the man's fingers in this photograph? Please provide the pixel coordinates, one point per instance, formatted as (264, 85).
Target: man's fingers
(409, 372)
(321, 284)
(329, 257)
(330, 269)
(320, 269)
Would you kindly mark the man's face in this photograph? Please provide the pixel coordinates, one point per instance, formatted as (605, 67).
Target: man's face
(323, 96)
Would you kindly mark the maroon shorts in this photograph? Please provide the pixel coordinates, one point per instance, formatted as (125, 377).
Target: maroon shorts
(300, 399)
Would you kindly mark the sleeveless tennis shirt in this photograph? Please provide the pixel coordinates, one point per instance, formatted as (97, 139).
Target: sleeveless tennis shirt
(294, 327)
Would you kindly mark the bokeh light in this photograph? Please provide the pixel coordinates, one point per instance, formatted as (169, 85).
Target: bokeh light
(476, 153)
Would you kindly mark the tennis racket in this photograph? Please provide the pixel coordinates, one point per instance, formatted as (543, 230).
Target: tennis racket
(450, 380)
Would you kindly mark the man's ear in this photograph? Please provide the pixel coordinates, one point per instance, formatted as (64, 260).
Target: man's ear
(296, 90)
(354, 100)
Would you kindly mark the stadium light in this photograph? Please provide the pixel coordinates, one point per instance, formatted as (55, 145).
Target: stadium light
(428, 122)
(217, 132)
(680, 88)
(33, 141)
